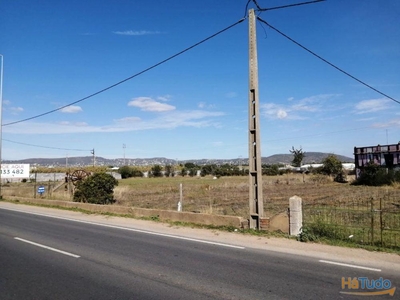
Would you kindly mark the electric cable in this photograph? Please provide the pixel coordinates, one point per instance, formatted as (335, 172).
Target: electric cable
(285, 6)
(131, 77)
(326, 61)
(47, 147)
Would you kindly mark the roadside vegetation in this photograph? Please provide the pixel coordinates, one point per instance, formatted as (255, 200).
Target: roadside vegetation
(333, 200)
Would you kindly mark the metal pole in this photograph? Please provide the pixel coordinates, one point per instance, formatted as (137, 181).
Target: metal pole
(1, 117)
(124, 146)
(94, 157)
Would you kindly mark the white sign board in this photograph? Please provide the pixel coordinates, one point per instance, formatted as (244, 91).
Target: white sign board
(14, 171)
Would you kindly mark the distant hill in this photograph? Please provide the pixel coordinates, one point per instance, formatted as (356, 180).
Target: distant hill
(81, 161)
(309, 158)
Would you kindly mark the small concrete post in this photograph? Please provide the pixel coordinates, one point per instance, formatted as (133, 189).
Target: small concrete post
(179, 206)
(295, 215)
(180, 197)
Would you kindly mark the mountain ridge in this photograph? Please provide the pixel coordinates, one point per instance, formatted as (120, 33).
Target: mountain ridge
(310, 157)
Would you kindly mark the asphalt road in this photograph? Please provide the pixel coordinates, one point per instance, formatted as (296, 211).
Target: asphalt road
(43, 257)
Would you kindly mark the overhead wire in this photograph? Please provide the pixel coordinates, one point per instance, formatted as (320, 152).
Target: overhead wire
(246, 8)
(326, 61)
(187, 49)
(46, 147)
(285, 6)
(129, 78)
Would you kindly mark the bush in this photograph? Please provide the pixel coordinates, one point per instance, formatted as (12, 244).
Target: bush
(374, 175)
(156, 171)
(332, 166)
(96, 189)
(270, 170)
(128, 172)
(319, 230)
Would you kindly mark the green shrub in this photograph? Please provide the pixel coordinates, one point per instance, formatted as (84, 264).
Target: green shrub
(156, 171)
(374, 175)
(128, 172)
(319, 230)
(96, 189)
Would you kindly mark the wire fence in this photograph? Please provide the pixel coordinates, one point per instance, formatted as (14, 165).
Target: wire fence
(374, 221)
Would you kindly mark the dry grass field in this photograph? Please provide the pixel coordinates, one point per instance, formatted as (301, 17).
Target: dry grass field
(224, 196)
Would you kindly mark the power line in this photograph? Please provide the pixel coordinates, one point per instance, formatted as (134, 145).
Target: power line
(246, 8)
(131, 77)
(329, 63)
(285, 6)
(47, 147)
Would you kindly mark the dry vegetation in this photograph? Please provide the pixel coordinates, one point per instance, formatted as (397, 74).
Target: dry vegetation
(224, 196)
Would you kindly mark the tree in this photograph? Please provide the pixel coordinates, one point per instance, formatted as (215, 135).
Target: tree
(271, 170)
(190, 165)
(331, 165)
(192, 172)
(128, 172)
(169, 171)
(156, 171)
(183, 172)
(298, 156)
(97, 188)
(208, 170)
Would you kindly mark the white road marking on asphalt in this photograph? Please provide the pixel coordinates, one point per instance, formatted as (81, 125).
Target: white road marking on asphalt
(348, 265)
(47, 247)
(131, 229)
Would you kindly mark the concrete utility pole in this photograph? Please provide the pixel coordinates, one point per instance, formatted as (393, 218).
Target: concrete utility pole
(255, 169)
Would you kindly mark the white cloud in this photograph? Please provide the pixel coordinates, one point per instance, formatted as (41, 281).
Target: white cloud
(149, 104)
(73, 124)
(136, 32)
(81, 124)
(72, 109)
(169, 120)
(274, 111)
(372, 105)
(16, 110)
(164, 98)
(128, 120)
(392, 124)
(281, 114)
(296, 110)
(203, 105)
(312, 103)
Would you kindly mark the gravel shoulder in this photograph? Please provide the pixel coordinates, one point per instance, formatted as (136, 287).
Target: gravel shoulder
(354, 256)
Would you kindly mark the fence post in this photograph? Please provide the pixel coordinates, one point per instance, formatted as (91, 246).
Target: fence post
(372, 221)
(295, 215)
(381, 219)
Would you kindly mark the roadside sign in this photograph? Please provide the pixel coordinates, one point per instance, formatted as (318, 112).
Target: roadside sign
(40, 190)
(14, 171)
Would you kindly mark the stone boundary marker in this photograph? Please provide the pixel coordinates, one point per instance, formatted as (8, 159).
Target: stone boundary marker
(296, 215)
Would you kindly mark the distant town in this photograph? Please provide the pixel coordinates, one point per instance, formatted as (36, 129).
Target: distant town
(82, 161)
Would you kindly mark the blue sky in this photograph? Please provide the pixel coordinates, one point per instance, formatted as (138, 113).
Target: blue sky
(195, 105)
